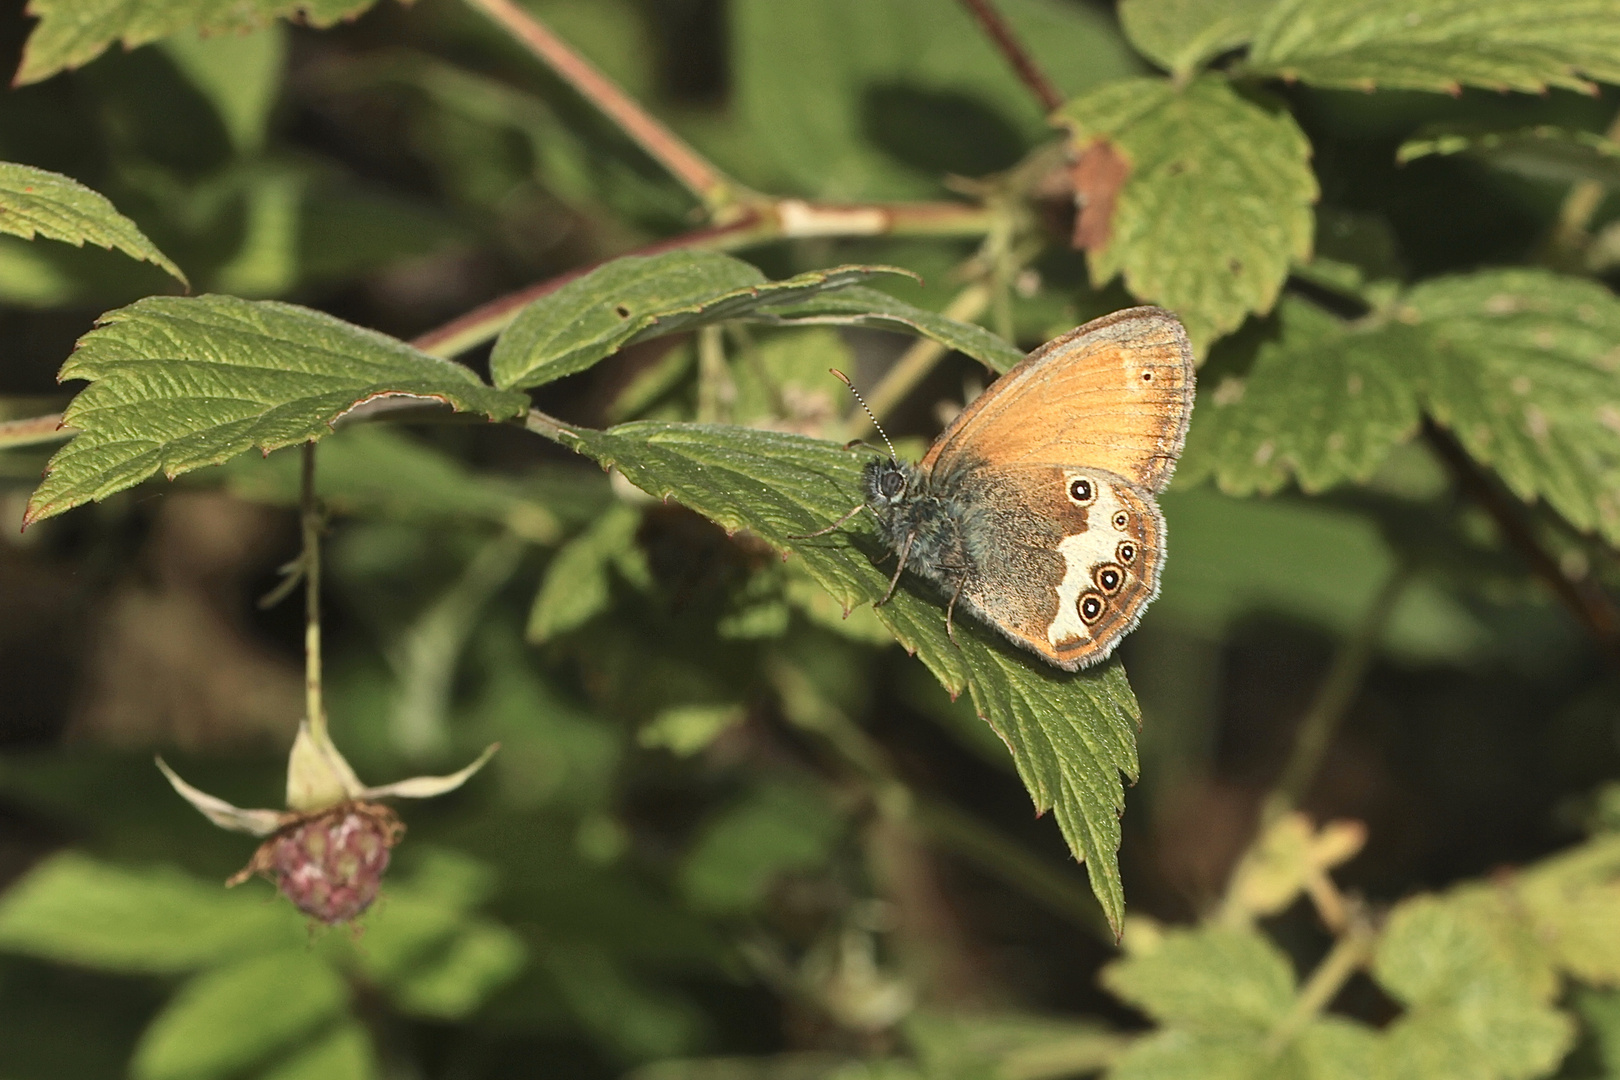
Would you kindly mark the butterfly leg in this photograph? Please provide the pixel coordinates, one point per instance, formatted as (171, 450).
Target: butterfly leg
(835, 525)
(950, 608)
(905, 550)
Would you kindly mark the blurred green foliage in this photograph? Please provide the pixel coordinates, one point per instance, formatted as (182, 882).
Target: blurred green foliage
(734, 833)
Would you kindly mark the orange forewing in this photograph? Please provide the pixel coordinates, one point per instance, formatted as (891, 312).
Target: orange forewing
(1125, 384)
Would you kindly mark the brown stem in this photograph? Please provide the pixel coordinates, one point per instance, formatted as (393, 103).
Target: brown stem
(1585, 599)
(786, 219)
(701, 177)
(33, 431)
(1006, 39)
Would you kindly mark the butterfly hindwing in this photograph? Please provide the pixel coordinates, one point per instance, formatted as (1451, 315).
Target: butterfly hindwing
(1065, 558)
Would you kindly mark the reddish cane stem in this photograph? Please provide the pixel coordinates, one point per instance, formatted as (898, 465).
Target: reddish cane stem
(1006, 40)
(700, 177)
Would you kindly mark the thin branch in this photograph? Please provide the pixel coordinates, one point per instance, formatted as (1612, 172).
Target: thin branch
(1353, 949)
(1585, 599)
(314, 707)
(1333, 699)
(33, 431)
(787, 219)
(701, 177)
(1023, 64)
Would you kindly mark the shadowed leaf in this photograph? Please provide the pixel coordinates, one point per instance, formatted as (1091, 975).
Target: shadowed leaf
(1071, 736)
(1548, 153)
(35, 202)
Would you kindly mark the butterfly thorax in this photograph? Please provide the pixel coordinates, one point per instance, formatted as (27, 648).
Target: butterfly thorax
(915, 518)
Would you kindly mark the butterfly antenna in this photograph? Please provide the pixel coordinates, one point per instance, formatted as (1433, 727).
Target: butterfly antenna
(870, 414)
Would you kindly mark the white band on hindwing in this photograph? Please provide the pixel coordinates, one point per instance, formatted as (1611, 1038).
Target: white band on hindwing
(1082, 553)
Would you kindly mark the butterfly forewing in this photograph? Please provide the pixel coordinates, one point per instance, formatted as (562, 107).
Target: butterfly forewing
(1115, 394)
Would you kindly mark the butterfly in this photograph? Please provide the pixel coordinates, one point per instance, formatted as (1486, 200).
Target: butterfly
(1035, 508)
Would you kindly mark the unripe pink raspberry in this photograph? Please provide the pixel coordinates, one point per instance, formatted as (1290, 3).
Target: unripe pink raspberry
(330, 863)
(328, 850)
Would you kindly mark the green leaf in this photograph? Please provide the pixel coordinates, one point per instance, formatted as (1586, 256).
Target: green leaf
(577, 587)
(179, 383)
(71, 33)
(1519, 364)
(35, 202)
(1522, 368)
(343, 1054)
(459, 977)
(1471, 1011)
(1071, 736)
(1232, 558)
(861, 306)
(1216, 204)
(1181, 34)
(1009, 1046)
(683, 730)
(1441, 45)
(1555, 154)
(1600, 1015)
(1329, 1048)
(1211, 979)
(74, 910)
(639, 297)
(1320, 405)
(232, 1017)
(1573, 904)
(738, 856)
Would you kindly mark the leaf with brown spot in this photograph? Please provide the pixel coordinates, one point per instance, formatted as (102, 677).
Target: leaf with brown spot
(1098, 175)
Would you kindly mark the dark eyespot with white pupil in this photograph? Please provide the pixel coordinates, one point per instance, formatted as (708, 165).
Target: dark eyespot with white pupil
(1108, 578)
(1082, 491)
(1121, 520)
(1126, 552)
(1091, 607)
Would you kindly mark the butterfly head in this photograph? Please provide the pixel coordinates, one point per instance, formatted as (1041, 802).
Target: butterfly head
(889, 483)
